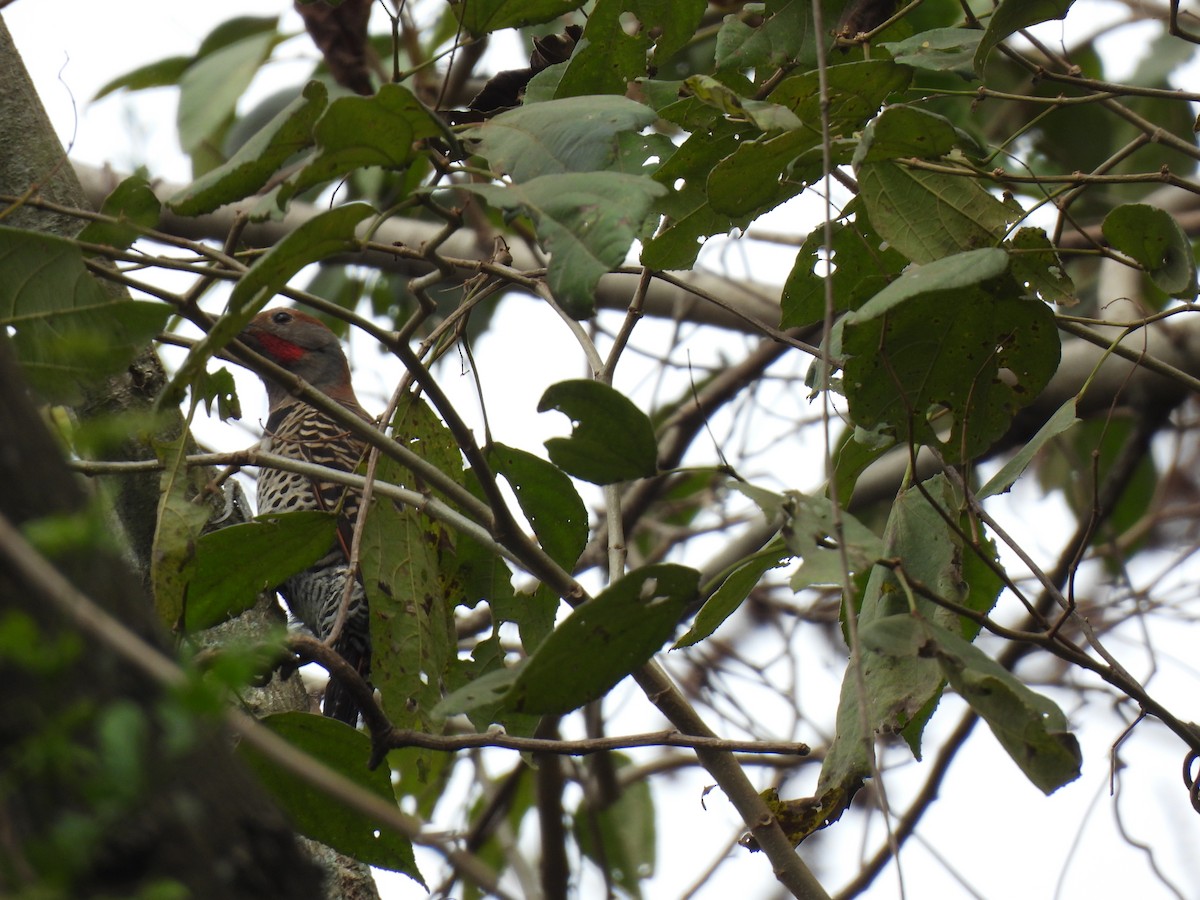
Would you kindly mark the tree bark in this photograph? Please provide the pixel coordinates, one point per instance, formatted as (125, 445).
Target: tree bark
(201, 819)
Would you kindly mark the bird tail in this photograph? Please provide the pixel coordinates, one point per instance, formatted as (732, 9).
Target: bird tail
(315, 597)
(339, 703)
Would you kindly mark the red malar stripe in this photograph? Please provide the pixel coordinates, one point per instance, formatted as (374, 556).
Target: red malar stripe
(278, 348)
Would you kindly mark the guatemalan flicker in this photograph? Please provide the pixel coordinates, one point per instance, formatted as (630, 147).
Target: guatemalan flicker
(304, 346)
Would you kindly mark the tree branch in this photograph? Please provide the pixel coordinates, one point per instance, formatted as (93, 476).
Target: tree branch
(752, 303)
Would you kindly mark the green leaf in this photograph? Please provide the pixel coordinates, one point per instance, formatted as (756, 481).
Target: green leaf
(586, 220)
(938, 50)
(1030, 727)
(161, 73)
(763, 115)
(1012, 15)
(210, 89)
(549, 501)
(604, 640)
(412, 613)
(863, 266)
(258, 159)
(579, 134)
(1063, 419)
(856, 90)
(690, 216)
(753, 178)
(67, 332)
(481, 17)
(179, 522)
(1156, 242)
(533, 613)
(947, 354)
(784, 35)
(132, 201)
(475, 571)
(857, 449)
(904, 131)
(1085, 456)
(520, 799)
(621, 838)
(734, 590)
(234, 565)
(726, 173)
(359, 132)
(928, 215)
(233, 30)
(611, 441)
(810, 532)
(981, 572)
(322, 818)
(1035, 263)
(624, 40)
(902, 685)
(485, 692)
(323, 235)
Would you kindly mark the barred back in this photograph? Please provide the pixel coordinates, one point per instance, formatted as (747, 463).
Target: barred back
(301, 432)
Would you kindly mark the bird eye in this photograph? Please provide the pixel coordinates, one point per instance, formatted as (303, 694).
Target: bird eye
(281, 318)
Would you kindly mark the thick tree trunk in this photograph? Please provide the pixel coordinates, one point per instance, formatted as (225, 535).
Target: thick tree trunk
(194, 815)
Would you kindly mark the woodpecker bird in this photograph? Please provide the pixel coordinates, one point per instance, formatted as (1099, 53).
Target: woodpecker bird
(305, 347)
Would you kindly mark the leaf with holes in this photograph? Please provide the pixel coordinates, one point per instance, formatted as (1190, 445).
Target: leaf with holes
(785, 34)
(624, 39)
(904, 131)
(1036, 264)
(549, 501)
(413, 642)
(612, 439)
(604, 640)
(863, 265)
(947, 354)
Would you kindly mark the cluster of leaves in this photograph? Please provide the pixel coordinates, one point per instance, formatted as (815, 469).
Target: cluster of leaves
(663, 129)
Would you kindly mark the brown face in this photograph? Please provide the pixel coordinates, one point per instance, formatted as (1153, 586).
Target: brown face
(303, 345)
(287, 336)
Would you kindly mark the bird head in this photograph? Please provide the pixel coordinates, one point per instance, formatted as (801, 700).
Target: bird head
(305, 347)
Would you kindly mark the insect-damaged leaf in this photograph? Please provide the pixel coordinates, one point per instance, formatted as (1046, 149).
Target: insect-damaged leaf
(612, 440)
(947, 353)
(604, 640)
(1030, 727)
